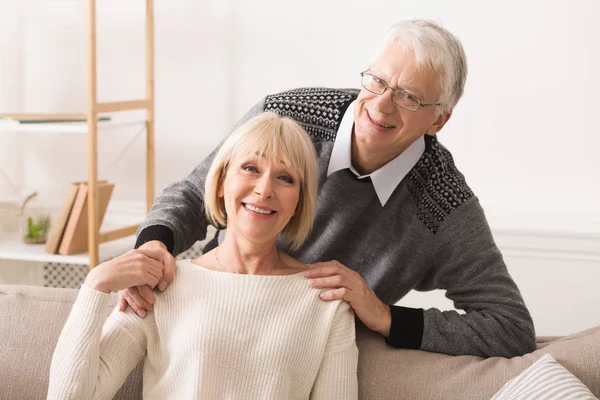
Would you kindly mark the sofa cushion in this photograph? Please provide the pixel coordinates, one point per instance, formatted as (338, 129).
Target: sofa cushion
(31, 319)
(386, 373)
(546, 379)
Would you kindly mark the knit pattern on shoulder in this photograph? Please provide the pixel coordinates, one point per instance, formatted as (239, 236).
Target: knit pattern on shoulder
(437, 186)
(318, 110)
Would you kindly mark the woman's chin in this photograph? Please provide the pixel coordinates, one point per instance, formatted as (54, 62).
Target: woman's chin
(259, 235)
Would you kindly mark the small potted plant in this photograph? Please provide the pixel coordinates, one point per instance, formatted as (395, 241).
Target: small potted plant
(35, 224)
(37, 229)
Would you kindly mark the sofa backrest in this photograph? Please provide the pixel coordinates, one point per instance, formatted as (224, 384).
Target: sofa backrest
(31, 319)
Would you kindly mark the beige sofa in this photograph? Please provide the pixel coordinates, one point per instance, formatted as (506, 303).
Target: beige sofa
(31, 319)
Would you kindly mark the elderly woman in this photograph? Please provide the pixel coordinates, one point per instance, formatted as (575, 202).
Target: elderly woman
(240, 322)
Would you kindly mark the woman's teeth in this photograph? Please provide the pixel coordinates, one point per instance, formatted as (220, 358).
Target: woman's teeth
(258, 210)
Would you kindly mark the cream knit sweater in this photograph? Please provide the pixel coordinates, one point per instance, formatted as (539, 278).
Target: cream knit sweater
(212, 335)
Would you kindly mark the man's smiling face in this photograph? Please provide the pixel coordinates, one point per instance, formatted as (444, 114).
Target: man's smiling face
(382, 129)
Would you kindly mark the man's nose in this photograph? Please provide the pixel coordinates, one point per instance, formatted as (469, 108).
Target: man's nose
(384, 103)
(264, 186)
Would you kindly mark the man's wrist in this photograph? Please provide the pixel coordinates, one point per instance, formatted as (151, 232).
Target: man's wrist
(386, 321)
(152, 244)
(156, 233)
(406, 330)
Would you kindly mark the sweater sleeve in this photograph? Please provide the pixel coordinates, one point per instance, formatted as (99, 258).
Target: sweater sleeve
(177, 216)
(469, 266)
(94, 356)
(337, 377)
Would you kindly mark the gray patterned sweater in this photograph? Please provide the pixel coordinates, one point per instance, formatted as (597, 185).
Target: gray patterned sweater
(431, 234)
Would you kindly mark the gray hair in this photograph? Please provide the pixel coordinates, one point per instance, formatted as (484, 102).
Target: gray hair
(436, 47)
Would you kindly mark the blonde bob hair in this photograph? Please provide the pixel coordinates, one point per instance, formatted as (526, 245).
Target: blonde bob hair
(278, 139)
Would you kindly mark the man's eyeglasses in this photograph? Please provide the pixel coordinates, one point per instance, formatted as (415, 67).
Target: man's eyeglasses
(400, 97)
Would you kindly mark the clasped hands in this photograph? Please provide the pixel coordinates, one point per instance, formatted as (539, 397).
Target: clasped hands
(134, 275)
(137, 272)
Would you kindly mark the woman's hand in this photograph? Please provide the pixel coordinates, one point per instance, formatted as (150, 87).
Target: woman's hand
(134, 268)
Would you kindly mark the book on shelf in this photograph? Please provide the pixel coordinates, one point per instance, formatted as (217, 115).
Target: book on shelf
(47, 118)
(75, 237)
(59, 223)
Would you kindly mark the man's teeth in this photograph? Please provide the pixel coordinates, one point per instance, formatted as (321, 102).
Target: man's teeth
(385, 126)
(258, 210)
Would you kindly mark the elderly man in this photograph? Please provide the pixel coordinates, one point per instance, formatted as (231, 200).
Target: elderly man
(394, 213)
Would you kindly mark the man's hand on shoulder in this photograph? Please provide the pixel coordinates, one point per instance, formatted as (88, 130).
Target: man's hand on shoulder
(348, 285)
(141, 298)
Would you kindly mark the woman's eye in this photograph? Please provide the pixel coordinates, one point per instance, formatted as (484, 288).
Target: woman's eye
(287, 179)
(249, 168)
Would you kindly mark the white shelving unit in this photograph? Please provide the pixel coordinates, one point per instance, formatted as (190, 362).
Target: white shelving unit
(116, 241)
(11, 245)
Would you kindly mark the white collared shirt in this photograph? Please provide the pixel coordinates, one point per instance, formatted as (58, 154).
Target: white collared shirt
(385, 179)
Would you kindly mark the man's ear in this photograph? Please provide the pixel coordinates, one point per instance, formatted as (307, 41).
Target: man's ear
(439, 123)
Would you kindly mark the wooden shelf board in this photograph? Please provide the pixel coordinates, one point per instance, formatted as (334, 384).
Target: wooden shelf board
(13, 248)
(65, 127)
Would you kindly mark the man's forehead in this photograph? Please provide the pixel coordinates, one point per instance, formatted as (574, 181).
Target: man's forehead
(405, 80)
(398, 67)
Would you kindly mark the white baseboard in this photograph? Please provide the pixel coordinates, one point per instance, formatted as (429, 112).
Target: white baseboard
(549, 244)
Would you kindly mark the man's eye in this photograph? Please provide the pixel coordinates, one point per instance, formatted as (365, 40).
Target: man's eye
(405, 95)
(377, 80)
(406, 98)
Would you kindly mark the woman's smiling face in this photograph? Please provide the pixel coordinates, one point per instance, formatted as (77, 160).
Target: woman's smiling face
(260, 197)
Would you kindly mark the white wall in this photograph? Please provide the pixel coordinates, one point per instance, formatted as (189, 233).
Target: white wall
(525, 133)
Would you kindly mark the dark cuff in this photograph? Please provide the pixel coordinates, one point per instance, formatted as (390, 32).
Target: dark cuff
(406, 331)
(156, 232)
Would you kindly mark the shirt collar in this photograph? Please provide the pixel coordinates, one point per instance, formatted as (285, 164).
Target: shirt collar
(385, 179)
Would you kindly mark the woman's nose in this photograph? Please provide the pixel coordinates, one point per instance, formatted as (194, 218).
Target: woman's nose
(264, 187)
